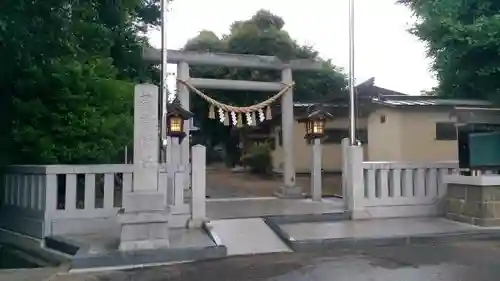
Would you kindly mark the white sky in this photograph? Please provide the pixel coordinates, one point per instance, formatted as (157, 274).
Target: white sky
(383, 47)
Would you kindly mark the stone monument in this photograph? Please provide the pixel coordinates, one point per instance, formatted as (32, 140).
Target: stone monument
(144, 222)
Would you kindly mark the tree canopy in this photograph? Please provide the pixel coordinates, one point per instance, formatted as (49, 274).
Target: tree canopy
(66, 78)
(463, 39)
(68, 68)
(262, 34)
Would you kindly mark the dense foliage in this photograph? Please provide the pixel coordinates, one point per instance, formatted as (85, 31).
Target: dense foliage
(258, 159)
(463, 39)
(67, 70)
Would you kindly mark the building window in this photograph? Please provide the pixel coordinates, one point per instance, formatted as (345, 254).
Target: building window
(446, 131)
(335, 135)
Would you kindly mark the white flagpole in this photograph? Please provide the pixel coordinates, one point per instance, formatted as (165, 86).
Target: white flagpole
(164, 77)
(352, 91)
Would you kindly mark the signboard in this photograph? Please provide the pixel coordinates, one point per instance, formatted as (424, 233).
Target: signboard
(484, 150)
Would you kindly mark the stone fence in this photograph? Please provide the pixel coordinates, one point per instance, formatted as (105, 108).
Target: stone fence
(386, 189)
(45, 200)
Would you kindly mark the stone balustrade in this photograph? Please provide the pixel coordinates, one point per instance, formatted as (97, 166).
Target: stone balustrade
(381, 189)
(398, 189)
(45, 200)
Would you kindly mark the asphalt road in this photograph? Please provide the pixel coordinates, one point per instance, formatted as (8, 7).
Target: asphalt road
(465, 261)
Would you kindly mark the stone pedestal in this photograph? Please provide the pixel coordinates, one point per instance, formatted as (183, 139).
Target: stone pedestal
(354, 181)
(473, 199)
(177, 178)
(316, 181)
(290, 192)
(145, 218)
(144, 230)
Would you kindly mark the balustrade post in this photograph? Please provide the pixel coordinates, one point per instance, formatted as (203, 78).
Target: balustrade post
(355, 180)
(198, 196)
(50, 186)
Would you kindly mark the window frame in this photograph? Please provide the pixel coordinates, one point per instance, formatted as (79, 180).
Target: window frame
(445, 131)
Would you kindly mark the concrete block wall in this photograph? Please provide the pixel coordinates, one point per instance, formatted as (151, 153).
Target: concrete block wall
(477, 205)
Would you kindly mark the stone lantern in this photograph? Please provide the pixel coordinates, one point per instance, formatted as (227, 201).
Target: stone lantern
(176, 115)
(315, 130)
(315, 122)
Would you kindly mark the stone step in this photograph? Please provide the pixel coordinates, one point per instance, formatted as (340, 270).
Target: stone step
(178, 220)
(326, 217)
(356, 234)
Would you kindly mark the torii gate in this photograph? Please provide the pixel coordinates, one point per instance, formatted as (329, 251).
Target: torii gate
(184, 59)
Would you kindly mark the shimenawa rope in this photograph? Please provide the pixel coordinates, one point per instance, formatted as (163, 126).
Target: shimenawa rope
(238, 109)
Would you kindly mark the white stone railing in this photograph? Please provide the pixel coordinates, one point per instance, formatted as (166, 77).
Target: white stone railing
(399, 181)
(64, 198)
(392, 189)
(24, 200)
(57, 199)
(398, 189)
(44, 200)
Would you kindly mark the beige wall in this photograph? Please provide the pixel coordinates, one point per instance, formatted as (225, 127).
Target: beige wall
(409, 134)
(384, 138)
(406, 135)
(425, 147)
(332, 160)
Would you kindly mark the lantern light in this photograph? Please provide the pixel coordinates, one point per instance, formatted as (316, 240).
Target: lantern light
(176, 115)
(315, 122)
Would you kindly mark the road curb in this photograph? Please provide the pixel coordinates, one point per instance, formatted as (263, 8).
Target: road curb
(360, 243)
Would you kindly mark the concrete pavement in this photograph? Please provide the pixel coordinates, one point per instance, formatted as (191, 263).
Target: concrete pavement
(464, 261)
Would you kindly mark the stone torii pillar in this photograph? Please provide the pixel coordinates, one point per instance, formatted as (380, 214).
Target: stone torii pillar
(183, 92)
(289, 188)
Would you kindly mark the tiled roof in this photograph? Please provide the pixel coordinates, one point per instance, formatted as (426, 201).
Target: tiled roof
(368, 93)
(397, 101)
(429, 101)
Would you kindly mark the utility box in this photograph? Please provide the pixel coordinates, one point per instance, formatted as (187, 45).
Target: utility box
(479, 147)
(484, 150)
(478, 135)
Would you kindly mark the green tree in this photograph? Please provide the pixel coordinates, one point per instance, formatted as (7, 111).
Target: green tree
(463, 39)
(66, 78)
(263, 34)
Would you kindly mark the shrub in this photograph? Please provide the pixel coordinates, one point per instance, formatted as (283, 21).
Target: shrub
(258, 158)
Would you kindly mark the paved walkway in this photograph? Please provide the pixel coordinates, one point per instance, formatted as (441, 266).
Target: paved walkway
(253, 235)
(377, 228)
(403, 262)
(36, 274)
(248, 237)
(464, 261)
(233, 231)
(270, 206)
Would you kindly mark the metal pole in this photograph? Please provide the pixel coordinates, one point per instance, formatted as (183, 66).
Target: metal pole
(352, 90)
(164, 77)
